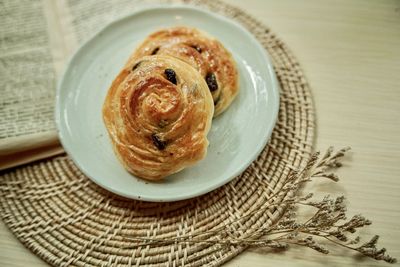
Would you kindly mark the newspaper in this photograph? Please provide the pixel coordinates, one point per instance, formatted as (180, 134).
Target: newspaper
(27, 77)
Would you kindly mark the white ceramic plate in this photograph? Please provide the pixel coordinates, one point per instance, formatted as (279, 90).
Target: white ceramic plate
(236, 137)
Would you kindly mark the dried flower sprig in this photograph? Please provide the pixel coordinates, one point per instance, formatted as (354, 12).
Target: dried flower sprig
(328, 222)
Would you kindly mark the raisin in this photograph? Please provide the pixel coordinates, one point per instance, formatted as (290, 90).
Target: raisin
(197, 48)
(171, 76)
(136, 65)
(211, 82)
(158, 142)
(155, 51)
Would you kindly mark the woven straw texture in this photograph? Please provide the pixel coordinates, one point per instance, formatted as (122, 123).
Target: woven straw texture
(67, 220)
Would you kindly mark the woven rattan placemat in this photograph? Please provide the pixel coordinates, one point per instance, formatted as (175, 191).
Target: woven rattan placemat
(63, 217)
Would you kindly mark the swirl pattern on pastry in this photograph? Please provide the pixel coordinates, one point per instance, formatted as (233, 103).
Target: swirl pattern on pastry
(204, 53)
(158, 112)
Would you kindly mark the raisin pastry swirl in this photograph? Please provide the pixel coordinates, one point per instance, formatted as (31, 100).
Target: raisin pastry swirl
(158, 112)
(201, 51)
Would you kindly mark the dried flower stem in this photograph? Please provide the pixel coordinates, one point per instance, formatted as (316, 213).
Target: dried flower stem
(328, 222)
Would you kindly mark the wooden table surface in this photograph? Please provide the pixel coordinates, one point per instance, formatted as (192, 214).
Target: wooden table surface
(350, 52)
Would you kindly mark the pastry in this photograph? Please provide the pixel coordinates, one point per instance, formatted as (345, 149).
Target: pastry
(158, 112)
(203, 52)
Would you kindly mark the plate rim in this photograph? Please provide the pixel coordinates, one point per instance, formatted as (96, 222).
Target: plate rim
(274, 94)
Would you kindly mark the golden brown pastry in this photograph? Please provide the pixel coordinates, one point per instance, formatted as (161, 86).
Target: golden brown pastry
(158, 112)
(204, 53)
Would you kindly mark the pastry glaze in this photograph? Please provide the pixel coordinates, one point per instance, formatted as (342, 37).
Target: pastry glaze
(203, 52)
(158, 127)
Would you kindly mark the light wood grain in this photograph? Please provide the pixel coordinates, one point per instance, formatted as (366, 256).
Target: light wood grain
(350, 52)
